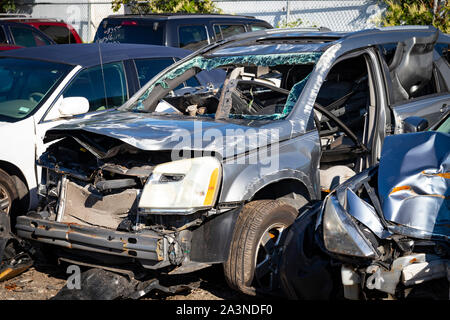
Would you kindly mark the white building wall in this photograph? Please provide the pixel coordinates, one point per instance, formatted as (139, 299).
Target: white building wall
(83, 15)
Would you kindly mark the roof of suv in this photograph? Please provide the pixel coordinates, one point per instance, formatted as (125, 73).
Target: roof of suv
(166, 16)
(184, 16)
(87, 55)
(305, 35)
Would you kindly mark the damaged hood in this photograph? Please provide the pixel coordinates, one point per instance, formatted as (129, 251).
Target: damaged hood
(150, 132)
(414, 181)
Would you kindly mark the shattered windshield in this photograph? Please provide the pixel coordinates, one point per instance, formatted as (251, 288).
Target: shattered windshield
(259, 86)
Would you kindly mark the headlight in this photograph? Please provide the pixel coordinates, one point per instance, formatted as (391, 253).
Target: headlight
(340, 233)
(182, 186)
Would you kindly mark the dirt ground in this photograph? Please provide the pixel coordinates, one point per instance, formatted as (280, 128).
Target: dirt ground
(43, 281)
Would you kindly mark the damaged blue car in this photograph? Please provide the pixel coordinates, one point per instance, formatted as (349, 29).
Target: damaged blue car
(384, 233)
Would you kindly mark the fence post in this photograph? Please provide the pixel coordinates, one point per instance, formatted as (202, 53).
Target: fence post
(288, 11)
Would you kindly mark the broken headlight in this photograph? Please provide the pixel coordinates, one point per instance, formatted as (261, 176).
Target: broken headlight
(341, 234)
(182, 187)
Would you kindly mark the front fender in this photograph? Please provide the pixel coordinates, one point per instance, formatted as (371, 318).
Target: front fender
(297, 158)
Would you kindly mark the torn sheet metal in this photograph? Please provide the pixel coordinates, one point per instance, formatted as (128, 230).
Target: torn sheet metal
(85, 207)
(414, 182)
(365, 213)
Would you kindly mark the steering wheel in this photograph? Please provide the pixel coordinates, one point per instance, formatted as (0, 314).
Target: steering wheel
(35, 94)
(258, 105)
(340, 124)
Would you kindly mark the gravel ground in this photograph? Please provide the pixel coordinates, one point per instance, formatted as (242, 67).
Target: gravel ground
(43, 281)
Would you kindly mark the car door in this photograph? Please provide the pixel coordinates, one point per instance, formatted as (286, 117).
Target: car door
(418, 80)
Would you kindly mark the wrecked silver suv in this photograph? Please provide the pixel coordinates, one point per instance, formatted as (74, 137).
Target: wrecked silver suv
(177, 183)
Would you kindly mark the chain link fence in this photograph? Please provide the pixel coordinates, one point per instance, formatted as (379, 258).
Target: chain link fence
(343, 15)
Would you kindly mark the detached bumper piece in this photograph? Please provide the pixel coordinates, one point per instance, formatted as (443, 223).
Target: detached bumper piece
(14, 258)
(13, 267)
(98, 284)
(149, 247)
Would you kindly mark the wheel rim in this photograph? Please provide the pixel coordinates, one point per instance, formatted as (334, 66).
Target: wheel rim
(5, 200)
(265, 260)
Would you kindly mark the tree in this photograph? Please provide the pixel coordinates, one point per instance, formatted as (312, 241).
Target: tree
(7, 6)
(418, 12)
(160, 6)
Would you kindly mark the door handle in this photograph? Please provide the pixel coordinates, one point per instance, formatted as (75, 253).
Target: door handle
(444, 108)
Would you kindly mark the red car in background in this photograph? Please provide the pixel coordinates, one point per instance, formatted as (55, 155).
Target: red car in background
(59, 31)
(14, 35)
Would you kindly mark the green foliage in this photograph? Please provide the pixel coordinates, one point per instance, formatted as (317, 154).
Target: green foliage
(7, 6)
(160, 6)
(417, 12)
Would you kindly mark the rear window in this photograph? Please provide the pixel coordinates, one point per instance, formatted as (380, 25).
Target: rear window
(131, 31)
(60, 34)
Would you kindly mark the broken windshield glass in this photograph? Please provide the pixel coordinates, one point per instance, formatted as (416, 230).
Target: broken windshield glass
(267, 86)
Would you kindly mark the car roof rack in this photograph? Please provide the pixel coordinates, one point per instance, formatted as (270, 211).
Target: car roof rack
(4, 16)
(175, 14)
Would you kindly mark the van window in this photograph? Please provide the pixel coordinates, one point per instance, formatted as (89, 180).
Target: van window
(26, 37)
(130, 31)
(59, 34)
(89, 84)
(192, 37)
(225, 31)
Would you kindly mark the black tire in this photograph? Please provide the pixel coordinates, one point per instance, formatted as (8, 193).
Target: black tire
(9, 196)
(250, 264)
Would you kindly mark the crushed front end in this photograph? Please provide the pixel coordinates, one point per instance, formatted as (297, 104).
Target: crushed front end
(103, 204)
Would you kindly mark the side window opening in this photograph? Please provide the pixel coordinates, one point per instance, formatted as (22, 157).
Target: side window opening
(89, 84)
(412, 80)
(346, 96)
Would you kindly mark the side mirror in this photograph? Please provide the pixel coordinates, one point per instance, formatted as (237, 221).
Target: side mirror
(414, 124)
(73, 106)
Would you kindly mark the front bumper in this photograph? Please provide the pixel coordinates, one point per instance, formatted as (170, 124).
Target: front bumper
(149, 248)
